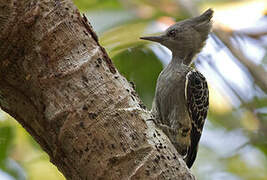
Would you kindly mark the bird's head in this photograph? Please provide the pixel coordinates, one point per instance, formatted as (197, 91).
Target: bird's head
(186, 38)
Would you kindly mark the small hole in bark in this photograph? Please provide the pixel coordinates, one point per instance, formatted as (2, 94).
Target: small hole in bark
(132, 84)
(142, 106)
(84, 78)
(156, 160)
(99, 60)
(85, 33)
(135, 146)
(85, 108)
(81, 124)
(58, 74)
(113, 160)
(147, 172)
(92, 115)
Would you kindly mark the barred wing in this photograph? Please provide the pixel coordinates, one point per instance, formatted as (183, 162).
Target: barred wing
(197, 98)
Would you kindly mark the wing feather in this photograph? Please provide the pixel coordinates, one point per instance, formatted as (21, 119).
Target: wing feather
(197, 98)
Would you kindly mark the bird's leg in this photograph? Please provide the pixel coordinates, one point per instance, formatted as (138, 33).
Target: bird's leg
(165, 128)
(169, 131)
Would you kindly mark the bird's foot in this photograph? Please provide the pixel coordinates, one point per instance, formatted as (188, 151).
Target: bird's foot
(167, 129)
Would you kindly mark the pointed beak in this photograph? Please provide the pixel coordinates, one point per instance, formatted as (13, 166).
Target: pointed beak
(158, 39)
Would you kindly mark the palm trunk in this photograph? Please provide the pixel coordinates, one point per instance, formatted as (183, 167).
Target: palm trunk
(59, 83)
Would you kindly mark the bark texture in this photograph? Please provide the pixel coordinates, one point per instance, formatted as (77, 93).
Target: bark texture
(59, 83)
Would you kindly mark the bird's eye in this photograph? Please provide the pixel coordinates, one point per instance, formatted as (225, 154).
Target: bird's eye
(172, 33)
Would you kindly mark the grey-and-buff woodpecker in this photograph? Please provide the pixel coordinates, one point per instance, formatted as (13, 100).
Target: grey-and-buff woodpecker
(181, 100)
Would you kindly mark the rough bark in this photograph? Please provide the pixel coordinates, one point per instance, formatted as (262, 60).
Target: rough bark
(59, 83)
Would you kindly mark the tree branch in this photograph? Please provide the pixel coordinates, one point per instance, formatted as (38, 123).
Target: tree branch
(59, 83)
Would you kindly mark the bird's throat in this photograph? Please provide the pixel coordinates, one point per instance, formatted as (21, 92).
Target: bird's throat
(182, 58)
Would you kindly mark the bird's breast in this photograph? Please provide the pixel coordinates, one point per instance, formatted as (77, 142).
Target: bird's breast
(170, 96)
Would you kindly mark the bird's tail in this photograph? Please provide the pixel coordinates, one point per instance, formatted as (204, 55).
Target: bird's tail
(192, 151)
(191, 157)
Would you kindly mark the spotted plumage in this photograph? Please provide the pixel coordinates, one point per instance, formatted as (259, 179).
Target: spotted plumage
(197, 99)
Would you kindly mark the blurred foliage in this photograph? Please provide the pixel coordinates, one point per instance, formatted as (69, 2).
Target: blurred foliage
(140, 60)
(118, 44)
(233, 145)
(20, 156)
(97, 4)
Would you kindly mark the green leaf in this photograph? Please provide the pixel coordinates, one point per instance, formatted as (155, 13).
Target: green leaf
(120, 38)
(140, 65)
(97, 4)
(240, 167)
(6, 137)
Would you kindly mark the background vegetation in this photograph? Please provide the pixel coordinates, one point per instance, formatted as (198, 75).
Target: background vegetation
(234, 142)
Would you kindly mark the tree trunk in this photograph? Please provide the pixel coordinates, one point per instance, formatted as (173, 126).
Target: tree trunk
(59, 83)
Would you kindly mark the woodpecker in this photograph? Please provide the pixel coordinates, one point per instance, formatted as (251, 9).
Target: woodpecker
(181, 99)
